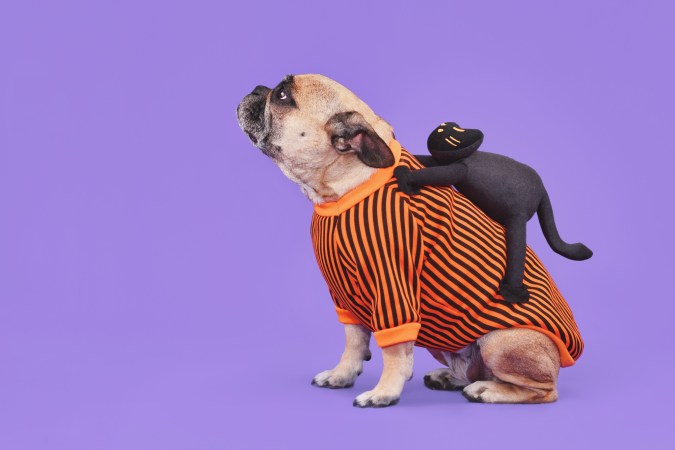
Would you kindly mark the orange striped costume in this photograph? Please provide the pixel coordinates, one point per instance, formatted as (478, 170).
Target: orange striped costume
(427, 267)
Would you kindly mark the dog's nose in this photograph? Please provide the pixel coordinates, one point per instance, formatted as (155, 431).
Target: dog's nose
(260, 90)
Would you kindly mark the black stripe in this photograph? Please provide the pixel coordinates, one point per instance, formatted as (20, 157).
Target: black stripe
(379, 246)
(391, 232)
(459, 322)
(462, 307)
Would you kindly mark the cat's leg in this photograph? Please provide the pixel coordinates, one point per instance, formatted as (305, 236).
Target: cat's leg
(410, 181)
(512, 288)
(427, 160)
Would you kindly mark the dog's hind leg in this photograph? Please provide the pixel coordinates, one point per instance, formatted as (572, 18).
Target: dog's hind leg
(464, 367)
(524, 366)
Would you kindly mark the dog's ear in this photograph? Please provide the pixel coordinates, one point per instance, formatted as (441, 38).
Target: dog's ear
(349, 132)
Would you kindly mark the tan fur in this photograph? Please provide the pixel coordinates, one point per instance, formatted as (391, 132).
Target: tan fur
(514, 365)
(311, 160)
(504, 366)
(351, 363)
(464, 367)
(398, 368)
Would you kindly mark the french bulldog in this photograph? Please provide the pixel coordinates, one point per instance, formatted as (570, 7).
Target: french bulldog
(406, 270)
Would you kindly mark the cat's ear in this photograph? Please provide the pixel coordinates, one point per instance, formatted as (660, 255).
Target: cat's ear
(350, 133)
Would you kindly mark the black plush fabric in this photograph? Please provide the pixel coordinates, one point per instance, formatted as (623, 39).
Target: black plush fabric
(449, 142)
(507, 191)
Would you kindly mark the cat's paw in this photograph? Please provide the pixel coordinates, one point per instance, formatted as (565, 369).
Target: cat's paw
(514, 294)
(402, 174)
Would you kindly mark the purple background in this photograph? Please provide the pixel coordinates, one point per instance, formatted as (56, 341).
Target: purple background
(157, 283)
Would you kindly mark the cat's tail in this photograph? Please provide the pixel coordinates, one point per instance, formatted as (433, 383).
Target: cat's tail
(577, 252)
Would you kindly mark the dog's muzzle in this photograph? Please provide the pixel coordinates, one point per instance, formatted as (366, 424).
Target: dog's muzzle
(250, 114)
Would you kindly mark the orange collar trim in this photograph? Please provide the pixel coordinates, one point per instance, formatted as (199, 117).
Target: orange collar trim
(363, 190)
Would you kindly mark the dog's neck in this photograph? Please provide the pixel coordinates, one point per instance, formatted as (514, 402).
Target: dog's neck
(344, 174)
(338, 179)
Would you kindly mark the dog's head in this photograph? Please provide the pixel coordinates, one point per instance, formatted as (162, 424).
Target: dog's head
(318, 132)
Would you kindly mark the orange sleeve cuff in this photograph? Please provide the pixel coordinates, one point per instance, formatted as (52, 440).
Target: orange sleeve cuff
(346, 317)
(402, 333)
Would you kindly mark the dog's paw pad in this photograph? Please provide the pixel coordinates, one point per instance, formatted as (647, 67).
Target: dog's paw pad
(439, 383)
(331, 380)
(477, 392)
(474, 397)
(371, 399)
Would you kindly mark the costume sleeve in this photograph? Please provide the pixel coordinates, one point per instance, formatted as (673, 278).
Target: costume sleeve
(344, 315)
(389, 244)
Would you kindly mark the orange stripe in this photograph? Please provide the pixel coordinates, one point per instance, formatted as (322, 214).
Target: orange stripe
(476, 320)
(415, 236)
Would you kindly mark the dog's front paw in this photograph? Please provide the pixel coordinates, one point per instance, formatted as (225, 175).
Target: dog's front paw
(335, 379)
(376, 399)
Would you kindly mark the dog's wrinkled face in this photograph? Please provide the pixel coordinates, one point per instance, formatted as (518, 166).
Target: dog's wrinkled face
(319, 133)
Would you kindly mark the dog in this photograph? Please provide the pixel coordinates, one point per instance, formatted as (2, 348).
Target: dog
(410, 270)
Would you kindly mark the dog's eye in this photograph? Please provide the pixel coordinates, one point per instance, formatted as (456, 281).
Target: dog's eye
(282, 95)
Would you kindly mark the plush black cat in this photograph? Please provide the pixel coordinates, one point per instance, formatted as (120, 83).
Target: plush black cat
(507, 191)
